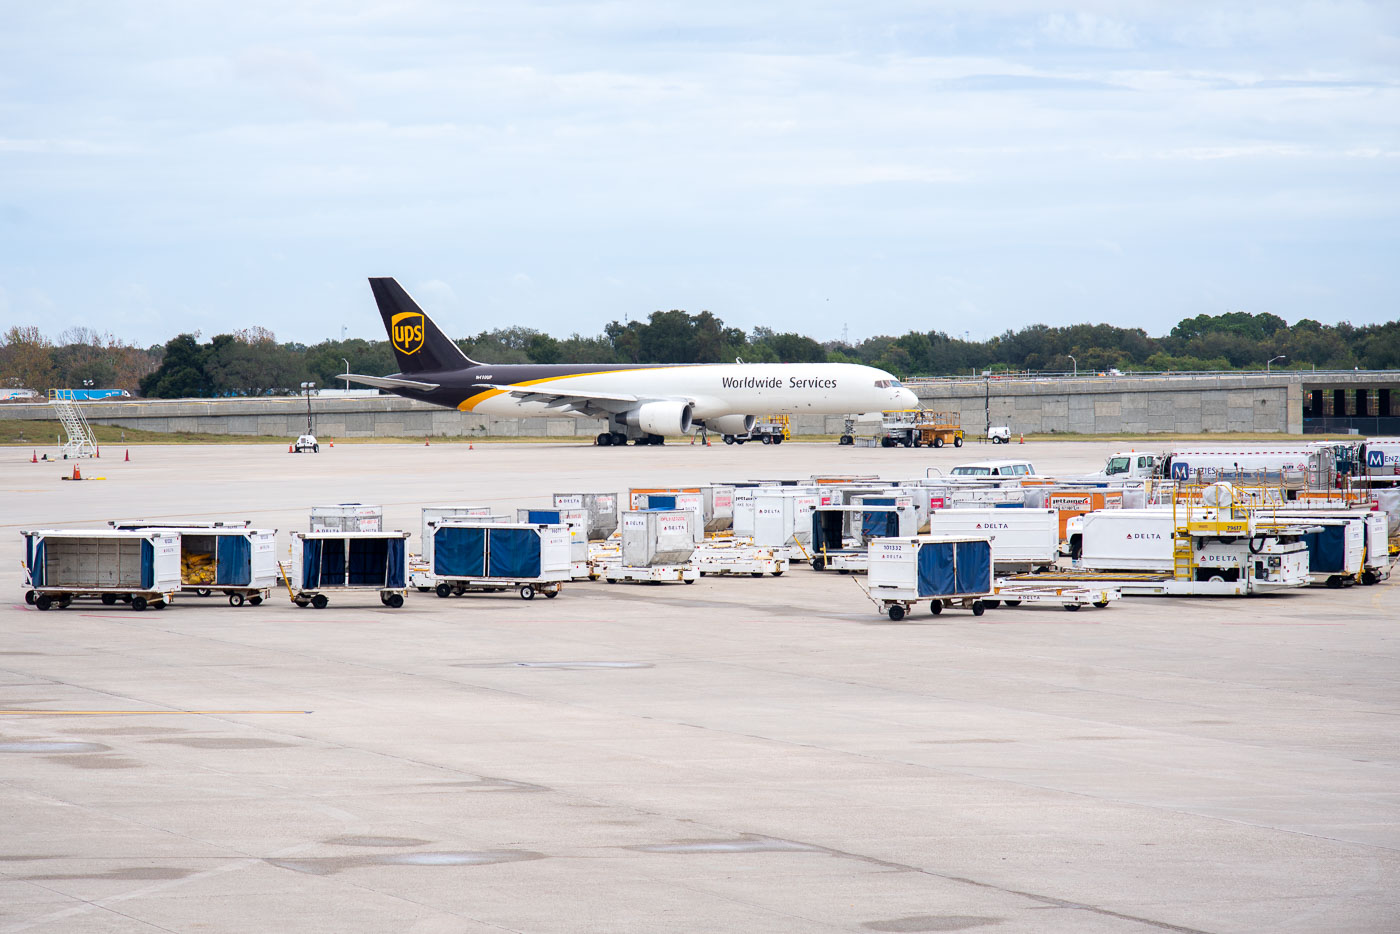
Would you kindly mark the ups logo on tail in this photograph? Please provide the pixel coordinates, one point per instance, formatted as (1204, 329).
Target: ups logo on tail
(406, 331)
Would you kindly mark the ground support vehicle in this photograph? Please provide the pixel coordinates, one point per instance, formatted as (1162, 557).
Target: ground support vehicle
(1360, 550)
(948, 571)
(324, 563)
(737, 559)
(140, 567)
(654, 574)
(234, 560)
(484, 557)
(920, 428)
(771, 429)
(1013, 592)
(305, 443)
(999, 434)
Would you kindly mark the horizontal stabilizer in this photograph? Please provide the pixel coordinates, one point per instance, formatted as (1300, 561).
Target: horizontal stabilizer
(390, 382)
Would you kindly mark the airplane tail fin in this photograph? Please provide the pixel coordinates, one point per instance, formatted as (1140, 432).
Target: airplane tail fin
(419, 345)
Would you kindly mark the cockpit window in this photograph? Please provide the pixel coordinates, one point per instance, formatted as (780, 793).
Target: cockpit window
(888, 384)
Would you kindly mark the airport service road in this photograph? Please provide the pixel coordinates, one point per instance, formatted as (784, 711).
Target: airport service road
(738, 755)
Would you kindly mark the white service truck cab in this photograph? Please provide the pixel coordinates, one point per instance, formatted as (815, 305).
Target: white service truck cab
(1131, 465)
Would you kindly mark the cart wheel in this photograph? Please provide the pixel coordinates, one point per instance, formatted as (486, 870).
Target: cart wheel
(755, 574)
(843, 570)
(138, 603)
(315, 449)
(1369, 577)
(395, 601)
(611, 580)
(255, 600)
(1101, 603)
(938, 442)
(108, 599)
(819, 564)
(551, 594)
(235, 599)
(740, 440)
(461, 590)
(302, 602)
(935, 607)
(702, 573)
(767, 439)
(991, 604)
(896, 612)
(957, 442)
(777, 439)
(443, 590)
(527, 592)
(159, 605)
(320, 600)
(978, 607)
(1012, 602)
(204, 591)
(777, 573)
(728, 439)
(65, 601)
(687, 580)
(1072, 607)
(29, 598)
(43, 602)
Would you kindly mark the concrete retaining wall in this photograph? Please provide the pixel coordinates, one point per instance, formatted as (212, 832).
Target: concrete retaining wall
(1246, 402)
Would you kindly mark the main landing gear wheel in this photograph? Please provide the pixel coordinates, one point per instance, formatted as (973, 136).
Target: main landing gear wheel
(603, 440)
(320, 601)
(896, 613)
(847, 440)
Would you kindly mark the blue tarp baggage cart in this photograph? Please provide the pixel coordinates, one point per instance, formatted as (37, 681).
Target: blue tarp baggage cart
(234, 560)
(140, 567)
(330, 562)
(841, 535)
(496, 556)
(948, 571)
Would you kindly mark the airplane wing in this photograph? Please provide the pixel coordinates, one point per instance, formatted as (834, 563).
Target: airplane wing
(575, 401)
(390, 382)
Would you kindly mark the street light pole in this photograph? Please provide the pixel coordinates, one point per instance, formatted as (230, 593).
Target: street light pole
(1075, 362)
(1268, 367)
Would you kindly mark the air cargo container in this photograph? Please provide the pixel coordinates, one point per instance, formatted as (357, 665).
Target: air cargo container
(946, 570)
(693, 503)
(719, 506)
(433, 516)
(1022, 539)
(228, 557)
(657, 537)
(601, 508)
(841, 535)
(136, 566)
(345, 562)
(576, 521)
(492, 556)
(347, 517)
(783, 518)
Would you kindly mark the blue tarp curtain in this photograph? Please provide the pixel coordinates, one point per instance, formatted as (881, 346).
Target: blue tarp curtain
(1327, 549)
(826, 531)
(368, 560)
(310, 563)
(148, 565)
(658, 501)
(974, 567)
(459, 552)
(881, 524)
(233, 562)
(544, 516)
(37, 576)
(936, 569)
(332, 562)
(395, 567)
(513, 553)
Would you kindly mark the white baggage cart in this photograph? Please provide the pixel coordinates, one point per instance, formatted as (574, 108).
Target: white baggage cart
(136, 566)
(476, 557)
(946, 570)
(236, 561)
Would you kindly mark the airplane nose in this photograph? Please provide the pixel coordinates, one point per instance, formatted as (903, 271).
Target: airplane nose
(907, 399)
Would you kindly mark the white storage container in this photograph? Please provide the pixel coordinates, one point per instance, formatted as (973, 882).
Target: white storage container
(657, 537)
(719, 506)
(782, 518)
(601, 509)
(1124, 540)
(347, 517)
(1021, 538)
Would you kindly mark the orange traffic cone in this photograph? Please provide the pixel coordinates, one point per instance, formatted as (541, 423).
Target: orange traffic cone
(35, 458)
(425, 442)
(99, 453)
(470, 448)
(289, 449)
(77, 474)
(1023, 437)
(332, 442)
(128, 453)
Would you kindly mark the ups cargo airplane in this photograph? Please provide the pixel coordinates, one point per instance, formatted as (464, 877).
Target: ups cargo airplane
(642, 403)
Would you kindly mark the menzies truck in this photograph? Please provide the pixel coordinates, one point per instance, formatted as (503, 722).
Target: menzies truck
(1319, 464)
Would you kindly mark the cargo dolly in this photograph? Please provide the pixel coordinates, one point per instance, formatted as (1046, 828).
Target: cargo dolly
(736, 559)
(1013, 592)
(659, 574)
(347, 562)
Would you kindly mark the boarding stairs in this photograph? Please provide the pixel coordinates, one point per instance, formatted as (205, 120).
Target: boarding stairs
(78, 432)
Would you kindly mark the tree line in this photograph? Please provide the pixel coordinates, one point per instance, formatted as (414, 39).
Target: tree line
(254, 362)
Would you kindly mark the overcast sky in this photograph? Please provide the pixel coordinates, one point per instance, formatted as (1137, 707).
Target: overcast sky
(960, 166)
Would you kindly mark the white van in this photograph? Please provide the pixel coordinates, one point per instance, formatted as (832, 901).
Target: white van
(994, 469)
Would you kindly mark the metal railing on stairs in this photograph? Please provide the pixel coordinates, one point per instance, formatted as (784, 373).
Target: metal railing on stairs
(78, 433)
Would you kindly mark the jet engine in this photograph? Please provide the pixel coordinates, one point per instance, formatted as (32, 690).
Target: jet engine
(731, 424)
(661, 418)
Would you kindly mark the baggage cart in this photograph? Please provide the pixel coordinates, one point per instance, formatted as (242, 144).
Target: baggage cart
(947, 570)
(841, 535)
(1013, 593)
(236, 561)
(576, 521)
(736, 559)
(660, 574)
(492, 557)
(324, 563)
(140, 567)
